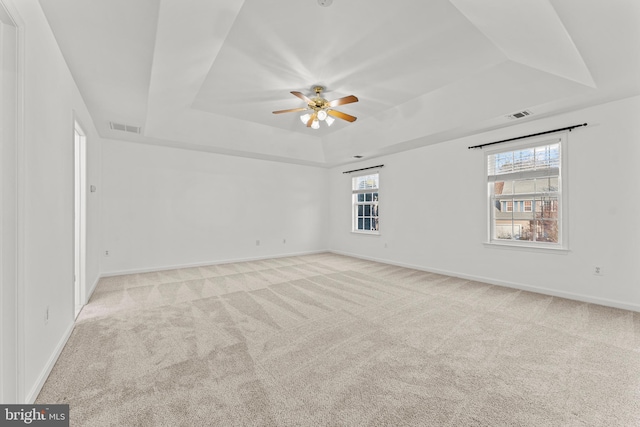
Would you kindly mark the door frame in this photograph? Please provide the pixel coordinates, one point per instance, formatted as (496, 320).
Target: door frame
(12, 223)
(79, 216)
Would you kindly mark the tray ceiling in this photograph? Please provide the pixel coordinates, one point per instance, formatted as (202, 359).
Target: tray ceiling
(205, 75)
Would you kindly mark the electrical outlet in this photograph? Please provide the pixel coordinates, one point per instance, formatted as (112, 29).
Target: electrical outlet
(597, 270)
(284, 241)
(106, 253)
(257, 242)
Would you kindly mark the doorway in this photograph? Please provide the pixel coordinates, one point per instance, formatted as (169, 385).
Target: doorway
(80, 211)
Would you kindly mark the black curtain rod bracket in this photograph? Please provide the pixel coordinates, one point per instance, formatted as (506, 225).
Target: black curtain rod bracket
(364, 169)
(569, 128)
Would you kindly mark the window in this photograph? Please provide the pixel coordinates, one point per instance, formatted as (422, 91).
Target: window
(525, 194)
(365, 204)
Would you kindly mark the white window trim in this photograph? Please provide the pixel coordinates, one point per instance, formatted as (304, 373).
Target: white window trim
(563, 200)
(366, 233)
(353, 217)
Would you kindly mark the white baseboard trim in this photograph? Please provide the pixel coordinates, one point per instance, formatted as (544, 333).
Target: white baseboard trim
(204, 264)
(35, 390)
(520, 286)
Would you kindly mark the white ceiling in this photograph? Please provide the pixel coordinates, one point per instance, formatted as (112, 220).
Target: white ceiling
(206, 74)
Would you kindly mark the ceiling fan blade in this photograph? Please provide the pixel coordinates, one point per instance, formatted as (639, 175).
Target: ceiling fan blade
(292, 110)
(311, 119)
(303, 97)
(341, 101)
(341, 115)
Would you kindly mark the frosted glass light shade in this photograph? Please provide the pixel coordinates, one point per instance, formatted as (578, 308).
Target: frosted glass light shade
(305, 118)
(329, 120)
(322, 115)
(315, 124)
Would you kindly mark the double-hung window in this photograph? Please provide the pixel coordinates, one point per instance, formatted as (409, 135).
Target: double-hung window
(525, 194)
(365, 199)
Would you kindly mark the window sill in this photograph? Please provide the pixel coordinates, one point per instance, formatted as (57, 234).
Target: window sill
(366, 233)
(525, 246)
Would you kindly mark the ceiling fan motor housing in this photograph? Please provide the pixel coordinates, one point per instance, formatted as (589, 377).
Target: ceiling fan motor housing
(318, 100)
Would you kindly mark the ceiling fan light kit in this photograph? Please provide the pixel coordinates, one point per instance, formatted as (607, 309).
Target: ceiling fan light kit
(322, 109)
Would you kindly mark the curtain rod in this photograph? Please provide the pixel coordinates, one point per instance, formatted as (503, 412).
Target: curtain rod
(529, 136)
(364, 169)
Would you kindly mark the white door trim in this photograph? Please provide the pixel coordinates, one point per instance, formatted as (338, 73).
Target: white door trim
(12, 353)
(80, 215)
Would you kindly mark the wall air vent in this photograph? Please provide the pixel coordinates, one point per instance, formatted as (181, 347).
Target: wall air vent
(520, 114)
(124, 128)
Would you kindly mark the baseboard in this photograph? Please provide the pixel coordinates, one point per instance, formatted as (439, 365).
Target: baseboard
(204, 264)
(520, 286)
(35, 390)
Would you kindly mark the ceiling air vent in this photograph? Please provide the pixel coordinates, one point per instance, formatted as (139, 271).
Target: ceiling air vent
(124, 128)
(519, 114)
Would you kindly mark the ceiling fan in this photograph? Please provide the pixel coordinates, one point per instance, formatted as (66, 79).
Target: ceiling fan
(322, 109)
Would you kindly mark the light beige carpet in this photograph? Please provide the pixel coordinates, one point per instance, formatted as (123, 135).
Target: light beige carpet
(328, 340)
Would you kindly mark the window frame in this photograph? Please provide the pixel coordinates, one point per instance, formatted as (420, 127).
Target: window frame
(355, 203)
(562, 196)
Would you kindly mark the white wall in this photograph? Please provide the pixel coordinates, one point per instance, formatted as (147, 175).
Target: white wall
(164, 207)
(8, 205)
(433, 211)
(45, 197)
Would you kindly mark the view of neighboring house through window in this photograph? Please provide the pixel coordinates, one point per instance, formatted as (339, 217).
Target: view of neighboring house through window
(365, 203)
(525, 194)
